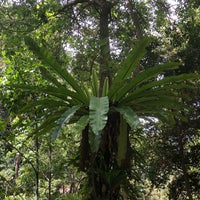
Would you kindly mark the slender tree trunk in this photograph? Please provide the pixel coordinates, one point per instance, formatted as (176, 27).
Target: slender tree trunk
(37, 168)
(50, 169)
(184, 167)
(17, 162)
(105, 57)
(135, 18)
(138, 29)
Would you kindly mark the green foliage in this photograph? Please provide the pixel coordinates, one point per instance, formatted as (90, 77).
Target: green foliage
(98, 109)
(98, 113)
(2, 125)
(143, 96)
(63, 120)
(81, 124)
(143, 77)
(48, 60)
(129, 66)
(130, 116)
(132, 60)
(95, 84)
(105, 87)
(48, 91)
(148, 96)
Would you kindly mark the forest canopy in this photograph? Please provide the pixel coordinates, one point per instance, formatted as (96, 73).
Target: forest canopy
(99, 99)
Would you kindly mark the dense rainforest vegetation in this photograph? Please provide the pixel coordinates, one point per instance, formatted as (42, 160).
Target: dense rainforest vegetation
(99, 99)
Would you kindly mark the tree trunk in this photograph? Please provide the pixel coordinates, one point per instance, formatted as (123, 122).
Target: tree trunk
(106, 179)
(17, 163)
(49, 172)
(37, 168)
(184, 167)
(135, 18)
(104, 164)
(105, 57)
(138, 29)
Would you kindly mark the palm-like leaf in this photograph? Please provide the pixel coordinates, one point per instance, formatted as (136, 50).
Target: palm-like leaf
(129, 116)
(63, 120)
(166, 84)
(81, 124)
(95, 83)
(105, 87)
(129, 65)
(42, 104)
(48, 76)
(142, 78)
(48, 60)
(99, 107)
(61, 92)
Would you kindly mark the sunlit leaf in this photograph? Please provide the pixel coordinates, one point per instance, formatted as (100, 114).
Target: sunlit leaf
(98, 110)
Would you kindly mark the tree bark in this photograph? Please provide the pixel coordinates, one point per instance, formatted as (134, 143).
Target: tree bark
(105, 57)
(135, 18)
(104, 164)
(138, 29)
(17, 162)
(184, 167)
